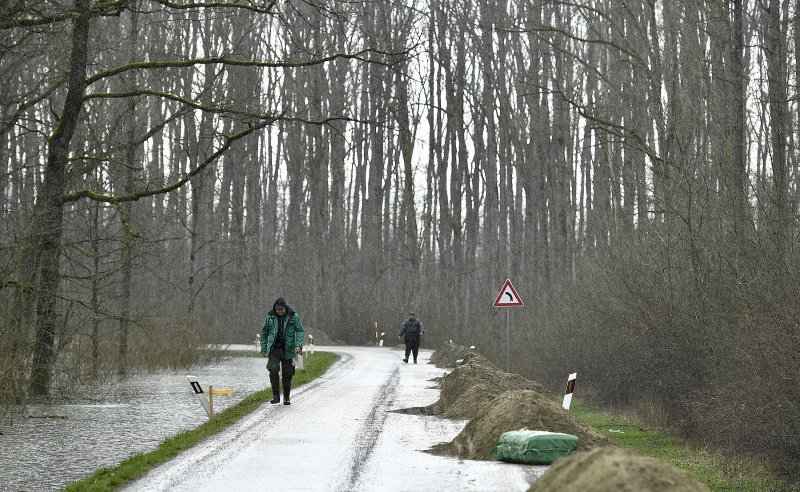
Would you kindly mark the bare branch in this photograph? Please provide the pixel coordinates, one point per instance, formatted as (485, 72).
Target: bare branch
(6, 125)
(12, 23)
(266, 9)
(221, 60)
(221, 110)
(98, 9)
(6, 282)
(112, 8)
(229, 140)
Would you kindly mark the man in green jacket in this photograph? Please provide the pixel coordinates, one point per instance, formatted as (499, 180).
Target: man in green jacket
(281, 341)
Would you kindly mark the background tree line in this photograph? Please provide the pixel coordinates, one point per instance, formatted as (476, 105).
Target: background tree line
(168, 169)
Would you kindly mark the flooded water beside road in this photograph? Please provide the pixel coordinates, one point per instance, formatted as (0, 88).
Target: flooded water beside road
(52, 445)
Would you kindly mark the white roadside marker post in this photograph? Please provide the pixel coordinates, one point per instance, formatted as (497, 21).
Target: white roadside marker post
(198, 390)
(311, 344)
(380, 343)
(570, 389)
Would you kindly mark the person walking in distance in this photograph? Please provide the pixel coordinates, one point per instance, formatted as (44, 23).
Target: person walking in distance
(411, 333)
(281, 340)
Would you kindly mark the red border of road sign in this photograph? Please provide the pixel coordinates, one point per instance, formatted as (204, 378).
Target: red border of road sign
(516, 304)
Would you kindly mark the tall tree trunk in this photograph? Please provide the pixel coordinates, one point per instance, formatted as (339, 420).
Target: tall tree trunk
(428, 243)
(95, 286)
(727, 124)
(775, 51)
(318, 184)
(337, 252)
(408, 212)
(42, 243)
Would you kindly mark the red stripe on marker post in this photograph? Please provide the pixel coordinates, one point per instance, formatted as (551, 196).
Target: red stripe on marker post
(570, 389)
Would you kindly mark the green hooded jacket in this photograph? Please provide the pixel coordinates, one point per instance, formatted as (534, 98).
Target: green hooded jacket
(292, 332)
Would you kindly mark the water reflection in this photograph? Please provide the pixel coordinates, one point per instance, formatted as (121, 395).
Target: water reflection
(102, 429)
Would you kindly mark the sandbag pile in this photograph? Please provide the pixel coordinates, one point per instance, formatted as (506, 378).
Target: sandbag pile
(513, 410)
(535, 447)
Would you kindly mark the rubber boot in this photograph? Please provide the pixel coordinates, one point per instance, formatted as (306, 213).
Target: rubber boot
(287, 387)
(274, 381)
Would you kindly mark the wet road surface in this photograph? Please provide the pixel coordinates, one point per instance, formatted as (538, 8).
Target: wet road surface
(340, 434)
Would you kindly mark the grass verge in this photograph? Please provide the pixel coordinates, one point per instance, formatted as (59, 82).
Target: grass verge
(137, 465)
(717, 472)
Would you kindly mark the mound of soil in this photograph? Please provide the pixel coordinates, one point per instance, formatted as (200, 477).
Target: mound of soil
(471, 387)
(614, 469)
(470, 403)
(320, 337)
(448, 355)
(514, 410)
(475, 384)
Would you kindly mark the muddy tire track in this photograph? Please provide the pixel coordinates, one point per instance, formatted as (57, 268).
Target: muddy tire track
(370, 432)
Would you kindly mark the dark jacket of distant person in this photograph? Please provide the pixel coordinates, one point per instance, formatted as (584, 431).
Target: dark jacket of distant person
(412, 330)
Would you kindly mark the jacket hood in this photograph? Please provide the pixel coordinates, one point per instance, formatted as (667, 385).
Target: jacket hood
(289, 310)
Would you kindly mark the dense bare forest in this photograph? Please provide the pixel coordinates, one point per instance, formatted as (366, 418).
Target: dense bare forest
(168, 168)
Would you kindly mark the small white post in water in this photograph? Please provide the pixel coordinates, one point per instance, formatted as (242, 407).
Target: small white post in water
(570, 389)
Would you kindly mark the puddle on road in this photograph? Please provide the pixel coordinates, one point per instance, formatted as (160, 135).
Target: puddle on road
(66, 442)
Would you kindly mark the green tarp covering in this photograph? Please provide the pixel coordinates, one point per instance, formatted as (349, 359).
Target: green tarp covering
(534, 447)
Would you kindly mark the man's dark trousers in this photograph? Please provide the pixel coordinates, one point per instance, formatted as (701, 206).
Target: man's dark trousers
(276, 363)
(412, 345)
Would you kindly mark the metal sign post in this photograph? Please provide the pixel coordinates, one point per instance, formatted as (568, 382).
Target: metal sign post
(508, 341)
(508, 297)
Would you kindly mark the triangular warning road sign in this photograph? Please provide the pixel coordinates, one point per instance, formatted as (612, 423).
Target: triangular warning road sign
(508, 296)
